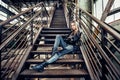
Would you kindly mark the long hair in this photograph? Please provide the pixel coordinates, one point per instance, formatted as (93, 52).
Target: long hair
(77, 26)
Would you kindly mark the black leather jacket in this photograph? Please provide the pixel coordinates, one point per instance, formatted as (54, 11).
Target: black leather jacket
(73, 39)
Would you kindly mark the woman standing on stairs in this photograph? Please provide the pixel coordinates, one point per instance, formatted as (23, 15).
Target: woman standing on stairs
(69, 44)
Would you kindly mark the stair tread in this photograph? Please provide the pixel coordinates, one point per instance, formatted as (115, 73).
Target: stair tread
(55, 73)
(44, 45)
(47, 39)
(48, 52)
(50, 35)
(58, 61)
(63, 31)
(56, 28)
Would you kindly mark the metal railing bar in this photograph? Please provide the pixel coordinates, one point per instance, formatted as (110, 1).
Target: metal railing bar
(12, 46)
(112, 27)
(25, 56)
(92, 43)
(16, 16)
(91, 30)
(113, 45)
(95, 56)
(103, 25)
(10, 27)
(115, 58)
(90, 70)
(103, 54)
(23, 46)
(113, 78)
(18, 50)
(12, 52)
(45, 10)
(92, 61)
(15, 55)
(9, 35)
(15, 34)
(91, 23)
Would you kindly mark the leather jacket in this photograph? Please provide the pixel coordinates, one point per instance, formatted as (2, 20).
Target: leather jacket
(73, 39)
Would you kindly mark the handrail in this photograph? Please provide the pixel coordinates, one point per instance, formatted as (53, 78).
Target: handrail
(99, 48)
(99, 64)
(16, 16)
(13, 49)
(66, 14)
(103, 25)
(46, 10)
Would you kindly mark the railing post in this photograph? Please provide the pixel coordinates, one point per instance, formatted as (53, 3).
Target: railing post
(103, 43)
(0, 34)
(0, 50)
(31, 24)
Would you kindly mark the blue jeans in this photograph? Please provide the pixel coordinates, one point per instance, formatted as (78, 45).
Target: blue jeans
(66, 49)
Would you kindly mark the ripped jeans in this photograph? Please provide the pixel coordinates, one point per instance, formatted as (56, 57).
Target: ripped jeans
(66, 49)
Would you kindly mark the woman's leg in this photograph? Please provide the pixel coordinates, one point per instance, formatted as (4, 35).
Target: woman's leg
(67, 49)
(58, 41)
(40, 67)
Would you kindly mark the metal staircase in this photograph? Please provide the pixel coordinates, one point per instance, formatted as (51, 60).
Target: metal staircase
(21, 47)
(69, 66)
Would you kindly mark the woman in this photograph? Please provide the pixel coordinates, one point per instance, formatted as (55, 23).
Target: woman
(69, 44)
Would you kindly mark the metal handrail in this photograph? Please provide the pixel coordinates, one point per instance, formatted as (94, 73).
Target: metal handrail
(16, 16)
(90, 46)
(103, 54)
(15, 55)
(103, 25)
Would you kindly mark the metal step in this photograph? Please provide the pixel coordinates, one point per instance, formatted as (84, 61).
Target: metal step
(59, 24)
(55, 26)
(44, 45)
(59, 61)
(56, 29)
(55, 73)
(49, 40)
(55, 32)
(49, 52)
(51, 35)
(58, 19)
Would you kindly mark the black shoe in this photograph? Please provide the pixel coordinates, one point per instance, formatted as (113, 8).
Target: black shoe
(40, 67)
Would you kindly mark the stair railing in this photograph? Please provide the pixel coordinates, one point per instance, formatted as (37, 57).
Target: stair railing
(17, 35)
(66, 12)
(101, 60)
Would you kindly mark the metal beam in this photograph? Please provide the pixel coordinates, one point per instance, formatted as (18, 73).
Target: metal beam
(107, 9)
(5, 10)
(105, 13)
(116, 10)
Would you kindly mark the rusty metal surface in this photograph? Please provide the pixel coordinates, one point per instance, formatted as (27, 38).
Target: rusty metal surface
(57, 73)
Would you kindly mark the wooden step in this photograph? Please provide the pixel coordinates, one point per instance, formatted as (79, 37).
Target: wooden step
(58, 24)
(50, 40)
(55, 73)
(43, 45)
(54, 32)
(51, 35)
(59, 61)
(56, 29)
(49, 52)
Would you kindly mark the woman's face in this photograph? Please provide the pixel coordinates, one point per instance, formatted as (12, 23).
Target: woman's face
(73, 27)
